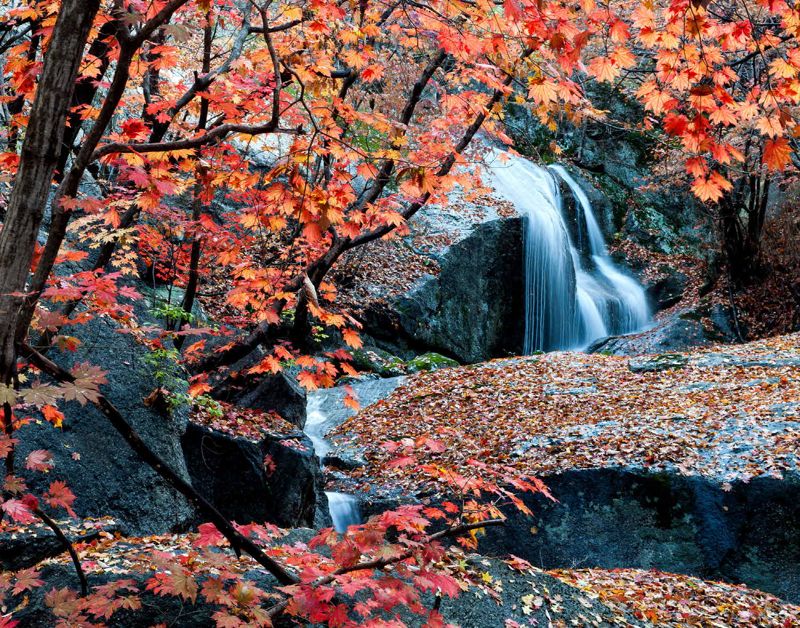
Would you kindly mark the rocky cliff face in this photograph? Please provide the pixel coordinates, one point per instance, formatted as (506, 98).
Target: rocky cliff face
(106, 476)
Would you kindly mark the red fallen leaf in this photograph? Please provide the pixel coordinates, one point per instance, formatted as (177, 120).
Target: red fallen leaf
(199, 385)
(60, 496)
(26, 580)
(346, 553)
(209, 535)
(31, 502)
(402, 461)
(53, 415)
(18, 511)
(435, 446)
(39, 460)
(6, 446)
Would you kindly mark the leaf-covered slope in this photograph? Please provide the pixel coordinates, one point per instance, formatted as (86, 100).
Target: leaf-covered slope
(726, 413)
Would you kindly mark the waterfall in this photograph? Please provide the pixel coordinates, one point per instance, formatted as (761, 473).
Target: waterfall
(342, 508)
(574, 293)
(325, 409)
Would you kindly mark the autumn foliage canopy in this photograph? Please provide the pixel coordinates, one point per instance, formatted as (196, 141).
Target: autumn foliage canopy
(238, 149)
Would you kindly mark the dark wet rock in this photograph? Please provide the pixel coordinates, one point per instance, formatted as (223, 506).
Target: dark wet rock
(276, 481)
(472, 310)
(156, 610)
(530, 599)
(107, 478)
(23, 547)
(677, 330)
(744, 532)
(278, 393)
(668, 290)
(527, 598)
(345, 459)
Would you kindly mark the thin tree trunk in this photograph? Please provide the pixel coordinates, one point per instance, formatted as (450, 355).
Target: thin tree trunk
(85, 91)
(39, 155)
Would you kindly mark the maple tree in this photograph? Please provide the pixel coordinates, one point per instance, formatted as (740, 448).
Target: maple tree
(246, 147)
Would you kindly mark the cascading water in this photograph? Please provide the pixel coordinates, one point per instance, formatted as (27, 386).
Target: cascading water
(343, 508)
(325, 409)
(574, 293)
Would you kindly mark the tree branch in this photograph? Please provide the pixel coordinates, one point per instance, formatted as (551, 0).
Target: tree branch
(68, 546)
(380, 563)
(238, 541)
(214, 134)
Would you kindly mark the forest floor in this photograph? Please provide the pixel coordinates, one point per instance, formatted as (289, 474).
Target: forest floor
(726, 412)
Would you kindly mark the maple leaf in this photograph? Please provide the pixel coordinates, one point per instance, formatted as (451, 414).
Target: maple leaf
(402, 461)
(352, 339)
(712, 188)
(39, 460)
(6, 446)
(14, 485)
(40, 394)
(209, 535)
(134, 129)
(224, 619)
(430, 581)
(86, 387)
(542, 91)
(7, 395)
(26, 580)
(307, 380)
(346, 553)
(18, 511)
(53, 415)
(62, 602)
(604, 69)
(198, 385)
(177, 583)
(777, 154)
(59, 496)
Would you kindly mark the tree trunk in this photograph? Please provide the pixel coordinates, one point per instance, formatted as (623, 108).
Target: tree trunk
(40, 151)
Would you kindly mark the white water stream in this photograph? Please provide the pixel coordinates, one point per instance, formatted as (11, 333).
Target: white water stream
(574, 293)
(325, 410)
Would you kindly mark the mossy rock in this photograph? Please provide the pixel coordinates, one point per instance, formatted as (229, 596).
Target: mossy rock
(429, 362)
(663, 362)
(378, 361)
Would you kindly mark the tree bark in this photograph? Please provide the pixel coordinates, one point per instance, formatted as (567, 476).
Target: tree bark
(39, 155)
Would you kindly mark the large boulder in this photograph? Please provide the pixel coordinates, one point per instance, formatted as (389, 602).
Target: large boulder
(277, 392)
(472, 309)
(107, 477)
(454, 285)
(268, 480)
(617, 517)
(25, 546)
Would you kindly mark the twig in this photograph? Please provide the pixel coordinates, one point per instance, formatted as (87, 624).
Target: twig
(68, 545)
(380, 563)
(238, 541)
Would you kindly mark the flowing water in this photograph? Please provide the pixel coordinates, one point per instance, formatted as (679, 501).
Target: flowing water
(325, 410)
(574, 293)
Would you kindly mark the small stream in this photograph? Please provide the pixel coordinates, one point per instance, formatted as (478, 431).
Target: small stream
(325, 410)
